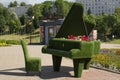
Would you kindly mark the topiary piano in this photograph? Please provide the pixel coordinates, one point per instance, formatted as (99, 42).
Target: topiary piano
(79, 50)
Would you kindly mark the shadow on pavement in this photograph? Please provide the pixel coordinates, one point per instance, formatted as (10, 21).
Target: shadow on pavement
(13, 72)
(48, 73)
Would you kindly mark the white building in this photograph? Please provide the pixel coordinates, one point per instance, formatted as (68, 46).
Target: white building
(20, 10)
(100, 6)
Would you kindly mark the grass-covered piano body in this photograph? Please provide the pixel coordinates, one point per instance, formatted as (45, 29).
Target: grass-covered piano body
(80, 51)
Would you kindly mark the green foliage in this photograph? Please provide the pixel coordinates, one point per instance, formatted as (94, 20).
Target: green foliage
(80, 51)
(108, 25)
(35, 23)
(90, 19)
(38, 10)
(72, 48)
(66, 6)
(96, 47)
(1, 5)
(13, 4)
(30, 11)
(22, 4)
(14, 26)
(22, 19)
(46, 8)
(2, 23)
(64, 44)
(29, 27)
(60, 7)
(89, 11)
(3, 43)
(31, 63)
(14, 42)
(8, 21)
(57, 8)
(117, 10)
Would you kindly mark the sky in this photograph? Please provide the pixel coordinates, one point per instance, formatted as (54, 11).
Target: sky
(6, 2)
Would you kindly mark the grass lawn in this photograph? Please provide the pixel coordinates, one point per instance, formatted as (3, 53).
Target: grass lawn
(35, 37)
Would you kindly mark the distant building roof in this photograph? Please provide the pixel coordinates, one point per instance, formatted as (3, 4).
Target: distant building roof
(20, 10)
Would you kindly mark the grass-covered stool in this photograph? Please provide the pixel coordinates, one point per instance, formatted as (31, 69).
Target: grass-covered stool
(78, 47)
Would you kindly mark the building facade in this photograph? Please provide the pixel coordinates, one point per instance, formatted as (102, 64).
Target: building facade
(20, 10)
(100, 6)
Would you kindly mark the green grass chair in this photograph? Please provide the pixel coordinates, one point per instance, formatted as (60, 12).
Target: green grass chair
(32, 64)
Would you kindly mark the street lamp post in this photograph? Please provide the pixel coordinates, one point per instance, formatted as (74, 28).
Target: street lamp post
(31, 33)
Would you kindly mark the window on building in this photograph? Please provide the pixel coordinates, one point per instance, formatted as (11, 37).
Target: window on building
(92, 7)
(99, 11)
(105, 3)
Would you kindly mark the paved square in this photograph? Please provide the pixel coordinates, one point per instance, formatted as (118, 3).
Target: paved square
(12, 67)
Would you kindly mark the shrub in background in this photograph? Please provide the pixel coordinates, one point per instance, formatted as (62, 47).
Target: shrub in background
(9, 42)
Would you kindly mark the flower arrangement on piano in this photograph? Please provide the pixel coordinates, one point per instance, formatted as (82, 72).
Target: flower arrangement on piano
(81, 38)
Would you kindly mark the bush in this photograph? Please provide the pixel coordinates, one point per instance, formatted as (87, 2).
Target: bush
(6, 42)
(3, 44)
(2, 41)
(15, 42)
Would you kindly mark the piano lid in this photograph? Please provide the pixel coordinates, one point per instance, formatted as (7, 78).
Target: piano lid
(74, 23)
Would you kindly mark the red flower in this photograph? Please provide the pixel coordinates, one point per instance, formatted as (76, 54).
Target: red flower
(83, 38)
(71, 37)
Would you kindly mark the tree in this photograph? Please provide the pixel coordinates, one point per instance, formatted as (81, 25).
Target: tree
(1, 5)
(102, 26)
(22, 19)
(1, 9)
(117, 10)
(60, 7)
(37, 10)
(14, 26)
(90, 18)
(46, 9)
(35, 22)
(117, 23)
(30, 11)
(2, 24)
(89, 11)
(22, 4)
(9, 21)
(55, 8)
(29, 27)
(13, 4)
(67, 6)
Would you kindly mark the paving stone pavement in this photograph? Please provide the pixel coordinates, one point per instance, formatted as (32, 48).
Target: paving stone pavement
(12, 67)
